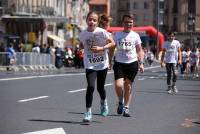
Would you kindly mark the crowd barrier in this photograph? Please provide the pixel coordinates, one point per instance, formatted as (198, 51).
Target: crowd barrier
(28, 61)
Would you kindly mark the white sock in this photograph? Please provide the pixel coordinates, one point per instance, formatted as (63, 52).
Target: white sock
(89, 109)
(104, 102)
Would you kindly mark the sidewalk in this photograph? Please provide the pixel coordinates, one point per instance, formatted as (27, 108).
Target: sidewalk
(65, 70)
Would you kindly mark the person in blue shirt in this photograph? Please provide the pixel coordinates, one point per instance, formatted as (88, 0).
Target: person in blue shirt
(10, 56)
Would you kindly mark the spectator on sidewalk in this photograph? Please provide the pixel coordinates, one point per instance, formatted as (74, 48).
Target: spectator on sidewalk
(36, 48)
(11, 56)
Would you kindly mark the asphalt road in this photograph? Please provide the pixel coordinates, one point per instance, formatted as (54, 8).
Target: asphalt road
(54, 103)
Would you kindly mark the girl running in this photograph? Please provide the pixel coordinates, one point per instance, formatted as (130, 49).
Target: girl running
(95, 40)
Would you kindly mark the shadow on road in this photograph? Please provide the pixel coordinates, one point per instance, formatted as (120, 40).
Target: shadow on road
(191, 94)
(93, 114)
(69, 122)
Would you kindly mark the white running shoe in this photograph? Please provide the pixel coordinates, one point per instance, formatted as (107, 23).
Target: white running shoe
(175, 90)
(169, 89)
(87, 117)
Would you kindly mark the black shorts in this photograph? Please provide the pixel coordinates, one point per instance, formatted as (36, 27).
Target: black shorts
(125, 70)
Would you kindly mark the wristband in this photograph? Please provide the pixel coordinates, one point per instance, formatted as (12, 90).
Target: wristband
(141, 62)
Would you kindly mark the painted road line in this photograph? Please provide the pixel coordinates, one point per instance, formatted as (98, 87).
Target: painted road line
(43, 76)
(49, 131)
(147, 68)
(31, 99)
(83, 89)
(153, 77)
(58, 75)
(141, 78)
(77, 90)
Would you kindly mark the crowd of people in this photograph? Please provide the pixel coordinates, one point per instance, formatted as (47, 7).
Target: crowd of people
(63, 56)
(190, 62)
(98, 51)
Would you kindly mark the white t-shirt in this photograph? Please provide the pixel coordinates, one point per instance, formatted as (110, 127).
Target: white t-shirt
(126, 46)
(194, 57)
(95, 61)
(171, 51)
(184, 56)
(36, 49)
(150, 55)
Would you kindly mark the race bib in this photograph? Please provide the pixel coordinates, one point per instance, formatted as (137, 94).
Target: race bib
(96, 58)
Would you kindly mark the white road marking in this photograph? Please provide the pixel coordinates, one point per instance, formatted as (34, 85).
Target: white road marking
(83, 89)
(57, 75)
(77, 90)
(31, 99)
(152, 77)
(43, 76)
(147, 68)
(49, 131)
(141, 78)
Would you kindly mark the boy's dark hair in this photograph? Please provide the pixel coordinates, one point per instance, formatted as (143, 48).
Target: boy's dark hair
(131, 16)
(171, 32)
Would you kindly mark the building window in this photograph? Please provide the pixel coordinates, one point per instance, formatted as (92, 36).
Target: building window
(135, 5)
(191, 6)
(127, 6)
(123, 6)
(175, 24)
(175, 6)
(161, 5)
(99, 9)
(146, 5)
(161, 19)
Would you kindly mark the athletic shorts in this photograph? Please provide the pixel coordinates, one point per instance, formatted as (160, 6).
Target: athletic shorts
(125, 70)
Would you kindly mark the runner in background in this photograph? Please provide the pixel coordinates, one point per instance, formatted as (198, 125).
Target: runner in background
(194, 61)
(104, 22)
(171, 56)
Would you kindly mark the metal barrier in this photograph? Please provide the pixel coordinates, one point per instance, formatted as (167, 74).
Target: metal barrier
(28, 61)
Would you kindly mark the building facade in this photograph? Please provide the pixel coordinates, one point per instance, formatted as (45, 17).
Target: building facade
(100, 6)
(182, 15)
(143, 11)
(34, 20)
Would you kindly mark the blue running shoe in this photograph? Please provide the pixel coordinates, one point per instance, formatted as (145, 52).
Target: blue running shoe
(104, 109)
(87, 117)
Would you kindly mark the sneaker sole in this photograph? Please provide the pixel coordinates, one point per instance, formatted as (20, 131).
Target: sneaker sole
(104, 114)
(85, 120)
(126, 115)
